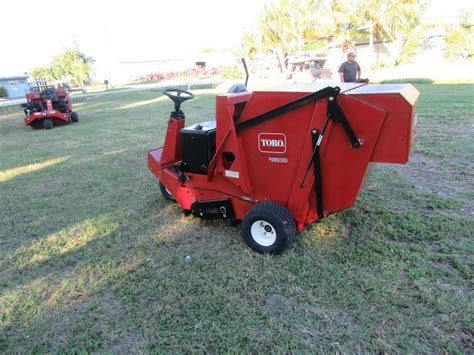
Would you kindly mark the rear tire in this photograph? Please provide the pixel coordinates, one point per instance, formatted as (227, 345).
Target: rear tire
(47, 123)
(166, 193)
(268, 228)
(36, 124)
(74, 117)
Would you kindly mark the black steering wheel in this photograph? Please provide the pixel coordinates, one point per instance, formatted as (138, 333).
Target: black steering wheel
(178, 98)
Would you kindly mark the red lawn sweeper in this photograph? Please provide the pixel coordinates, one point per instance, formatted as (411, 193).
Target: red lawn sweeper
(278, 160)
(47, 106)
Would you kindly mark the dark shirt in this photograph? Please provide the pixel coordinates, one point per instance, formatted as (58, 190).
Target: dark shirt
(349, 71)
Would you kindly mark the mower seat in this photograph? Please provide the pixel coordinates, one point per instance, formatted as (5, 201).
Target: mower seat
(60, 105)
(237, 88)
(50, 94)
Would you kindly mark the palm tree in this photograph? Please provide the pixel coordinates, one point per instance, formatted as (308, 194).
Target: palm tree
(394, 20)
(48, 72)
(249, 45)
(334, 22)
(403, 20)
(285, 26)
(274, 32)
(75, 64)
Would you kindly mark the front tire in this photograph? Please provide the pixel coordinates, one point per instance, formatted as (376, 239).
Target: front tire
(47, 123)
(74, 117)
(166, 193)
(36, 124)
(268, 228)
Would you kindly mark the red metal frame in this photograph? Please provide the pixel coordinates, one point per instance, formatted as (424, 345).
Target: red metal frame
(384, 122)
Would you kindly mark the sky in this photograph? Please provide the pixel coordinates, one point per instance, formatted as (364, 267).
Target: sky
(33, 31)
(126, 30)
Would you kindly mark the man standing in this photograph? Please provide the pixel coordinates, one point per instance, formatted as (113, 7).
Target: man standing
(349, 71)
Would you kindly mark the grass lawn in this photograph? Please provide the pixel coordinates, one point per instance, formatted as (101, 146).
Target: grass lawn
(93, 258)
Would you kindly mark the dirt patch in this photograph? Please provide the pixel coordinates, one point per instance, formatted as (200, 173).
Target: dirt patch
(434, 176)
(128, 343)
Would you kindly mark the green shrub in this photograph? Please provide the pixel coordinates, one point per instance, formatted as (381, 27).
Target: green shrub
(381, 63)
(3, 92)
(408, 80)
(459, 43)
(232, 72)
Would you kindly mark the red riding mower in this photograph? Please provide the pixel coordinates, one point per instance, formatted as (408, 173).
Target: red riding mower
(278, 160)
(47, 106)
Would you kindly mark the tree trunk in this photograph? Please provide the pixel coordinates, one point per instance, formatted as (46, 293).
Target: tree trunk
(281, 60)
(371, 42)
(81, 83)
(300, 43)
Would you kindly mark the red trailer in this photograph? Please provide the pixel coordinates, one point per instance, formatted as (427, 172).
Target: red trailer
(278, 160)
(47, 106)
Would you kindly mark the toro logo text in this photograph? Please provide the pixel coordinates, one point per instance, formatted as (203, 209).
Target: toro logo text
(272, 143)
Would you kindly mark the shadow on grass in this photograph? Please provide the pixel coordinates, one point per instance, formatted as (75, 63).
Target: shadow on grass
(44, 204)
(63, 282)
(101, 159)
(84, 242)
(125, 289)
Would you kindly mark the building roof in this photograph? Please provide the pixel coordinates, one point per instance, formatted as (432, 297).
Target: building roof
(13, 77)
